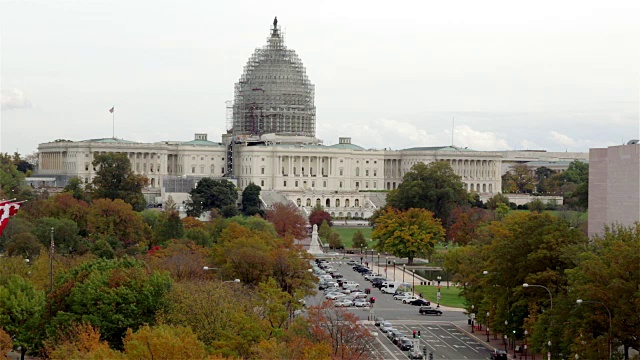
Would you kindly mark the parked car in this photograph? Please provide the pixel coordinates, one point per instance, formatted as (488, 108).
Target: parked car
(427, 310)
(400, 296)
(334, 295)
(498, 355)
(385, 327)
(408, 299)
(378, 321)
(343, 303)
(420, 302)
(361, 303)
(359, 295)
(405, 344)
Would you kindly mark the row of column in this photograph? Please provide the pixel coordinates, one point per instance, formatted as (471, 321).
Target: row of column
(51, 160)
(317, 165)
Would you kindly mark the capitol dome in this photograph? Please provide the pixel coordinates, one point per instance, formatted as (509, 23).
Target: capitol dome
(274, 94)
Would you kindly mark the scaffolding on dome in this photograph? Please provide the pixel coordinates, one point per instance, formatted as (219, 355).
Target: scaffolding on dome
(274, 94)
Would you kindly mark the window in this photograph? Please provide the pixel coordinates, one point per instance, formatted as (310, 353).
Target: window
(299, 201)
(346, 203)
(308, 202)
(222, 170)
(285, 183)
(296, 184)
(262, 183)
(366, 184)
(340, 171)
(313, 184)
(337, 202)
(357, 184)
(318, 201)
(375, 172)
(375, 185)
(193, 169)
(366, 173)
(201, 169)
(328, 203)
(193, 158)
(262, 170)
(341, 184)
(356, 202)
(86, 166)
(357, 171)
(324, 183)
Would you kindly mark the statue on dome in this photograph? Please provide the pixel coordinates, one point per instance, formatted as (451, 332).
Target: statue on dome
(275, 22)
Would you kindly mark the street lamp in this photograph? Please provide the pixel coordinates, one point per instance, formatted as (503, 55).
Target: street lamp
(404, 266)
(505, 342)
(394, 270)
(549, 352)
(413, 282)
(488, 313)
(580, 301)
(386, 265)
(506, 329)
(525, 285)
(472, 318)
(526, 340)
(51, 262)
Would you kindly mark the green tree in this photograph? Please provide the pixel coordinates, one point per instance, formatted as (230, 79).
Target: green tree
(577, 172)
(251, 200)
(115, 180)
(164, 342)
(334, 240)
(169, 227)
(499, 198)
(409, 234)
(24, 244)
(113, 295)
(608, 273)
(434, 187)
(11, 180)
(209, 194)
(324, 231)
(359, 242)
(21, 307)
(229, 211)
(103, 249)
(116, 219)
(65, 234)
(76, 189)
(518, 180)
(537, 206)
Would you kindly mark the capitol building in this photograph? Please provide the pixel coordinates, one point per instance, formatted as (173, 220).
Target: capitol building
(271, 142)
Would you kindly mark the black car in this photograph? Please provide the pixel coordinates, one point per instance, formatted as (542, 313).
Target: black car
(498, 355)
(378, 321)
(406, 344)
(426, 310)
(420, 302)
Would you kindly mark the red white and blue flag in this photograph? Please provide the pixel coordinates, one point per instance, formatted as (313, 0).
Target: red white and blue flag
(7, 210)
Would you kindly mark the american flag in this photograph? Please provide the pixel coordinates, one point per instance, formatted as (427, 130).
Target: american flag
(7, 210)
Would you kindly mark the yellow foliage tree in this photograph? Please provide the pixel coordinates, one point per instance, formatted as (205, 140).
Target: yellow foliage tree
(5, 342)
(80, 341)
(163, 342)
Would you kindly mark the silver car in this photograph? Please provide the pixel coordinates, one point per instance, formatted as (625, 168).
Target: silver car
(343, 303)
(386, 326)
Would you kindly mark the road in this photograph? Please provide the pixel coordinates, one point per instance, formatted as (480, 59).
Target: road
(442, 335)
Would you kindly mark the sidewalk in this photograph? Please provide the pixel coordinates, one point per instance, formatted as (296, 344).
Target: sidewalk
(481, 337)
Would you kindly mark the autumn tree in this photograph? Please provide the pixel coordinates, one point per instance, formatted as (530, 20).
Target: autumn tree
(182, 260)
(409, 234)
(21, 307)
(5, 342)
(318, 216)
(287, 220)
(466, 222)
(113, 295)
(76, 189)
(493, 202)
(114, 179)
(163, 342)
(340, 328)
(518, 180)
(169, 226)
(324, 230)
(24, 244)
(434, 187)
(64, 232)
(209, 194)
(359, 242)
(79, 341)
(251, 200)
(116, 220)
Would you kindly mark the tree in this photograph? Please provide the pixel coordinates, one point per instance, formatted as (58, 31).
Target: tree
(434, 187)
(466, 222)
(169, 227)
(116, 219)
(229, 211)
(499, 198)
(21, 307)
(113, 295)
(115, 180)
(163, 342)
(359, 242)
(334, 240)
(536, 206)
(24, 244)
(518, 180)
(251, 200)
(325, 230)
(75, 188)
(608, 273)
(409, 234)
(65, 234)
(209, 194)
(287, 220)
(5, 342)
(340, 328)
(79, 341)
(318, 216)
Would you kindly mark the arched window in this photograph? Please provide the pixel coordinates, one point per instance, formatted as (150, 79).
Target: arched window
(340, 214)
(491, 188)
(308, 202)
(356, 202)
(349, 215)
(355, 215)
(299, 201)
(318, 201)
(484, 188)
(337, 202)
(471, 188)
(153, 182)
(357, 171)
(328, 203)
(346, 203)
(333, 214)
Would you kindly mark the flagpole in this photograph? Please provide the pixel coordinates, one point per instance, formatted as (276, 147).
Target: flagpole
(113, 122)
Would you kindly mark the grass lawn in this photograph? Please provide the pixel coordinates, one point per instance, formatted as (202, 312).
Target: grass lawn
(346, 234)
(449, 297)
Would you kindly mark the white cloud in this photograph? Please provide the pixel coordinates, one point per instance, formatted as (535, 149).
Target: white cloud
(562, 139)
(479, 140)
(13, 99)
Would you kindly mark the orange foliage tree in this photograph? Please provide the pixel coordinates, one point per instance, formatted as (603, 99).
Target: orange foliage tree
(115, 218)
(466, 222)
(163, 342)
(287, 220)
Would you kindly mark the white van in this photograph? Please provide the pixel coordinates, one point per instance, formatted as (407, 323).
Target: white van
(350, 284)
(389, 287)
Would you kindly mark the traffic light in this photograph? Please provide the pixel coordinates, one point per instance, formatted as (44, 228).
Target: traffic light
(418, 334)
(414, 334)
(430, 356)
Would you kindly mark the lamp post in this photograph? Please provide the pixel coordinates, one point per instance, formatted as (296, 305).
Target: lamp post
(394, 270)
(413, 282)
(488, 313)
(580, 301)
(506, 329)
(525, 285)
(526, 340)
(472, 318)
(549, 352)
(386, 265)
(505, 342)
(404, 266)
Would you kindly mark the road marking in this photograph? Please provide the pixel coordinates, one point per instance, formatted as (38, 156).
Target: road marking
(462, 341)
(386, 348)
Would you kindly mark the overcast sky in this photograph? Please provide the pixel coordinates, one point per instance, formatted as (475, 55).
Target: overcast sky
(554, 75)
